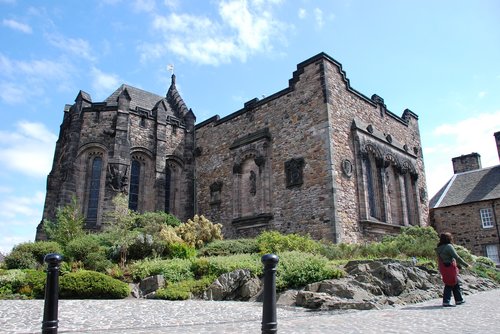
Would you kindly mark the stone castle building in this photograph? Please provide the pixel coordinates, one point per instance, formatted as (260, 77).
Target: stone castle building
(468, 205)
(317, 157)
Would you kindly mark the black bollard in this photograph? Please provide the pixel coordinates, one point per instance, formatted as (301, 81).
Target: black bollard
(50, 322)
(269, 323)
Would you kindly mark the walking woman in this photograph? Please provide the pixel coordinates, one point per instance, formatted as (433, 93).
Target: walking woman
(449, 262)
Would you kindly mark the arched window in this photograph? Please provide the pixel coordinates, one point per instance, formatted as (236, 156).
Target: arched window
(168, 181)
(95, 184)
(135, 176)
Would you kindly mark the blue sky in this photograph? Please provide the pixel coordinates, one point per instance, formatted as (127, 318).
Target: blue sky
(441, 59)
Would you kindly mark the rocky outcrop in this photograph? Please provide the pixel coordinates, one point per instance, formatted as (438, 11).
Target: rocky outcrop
(236, 285)
(381, 283)
(369, 284)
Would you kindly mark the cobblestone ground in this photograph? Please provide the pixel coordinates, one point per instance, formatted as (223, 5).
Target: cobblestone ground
(480, 314)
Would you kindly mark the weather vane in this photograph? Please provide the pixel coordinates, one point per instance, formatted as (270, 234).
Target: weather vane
(170, 67)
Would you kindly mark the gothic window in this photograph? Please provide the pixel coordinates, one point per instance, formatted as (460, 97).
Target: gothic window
(168, 180)
(374, 187)
(394, 195)
(173, 175)
(411, 200)
(95, 184)
(135, 175)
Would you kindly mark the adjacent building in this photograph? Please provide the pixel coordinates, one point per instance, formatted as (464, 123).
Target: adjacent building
(317, 157)
(468, 205)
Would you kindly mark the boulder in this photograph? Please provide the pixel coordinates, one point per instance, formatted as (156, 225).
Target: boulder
(236, 285)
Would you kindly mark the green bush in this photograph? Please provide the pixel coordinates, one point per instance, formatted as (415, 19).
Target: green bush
(464, 253)
(180, 250)
(20, 260)
(296, 269)
(87, 284)
(273, 242)
(485, 261)
(153, 222)
(184, 289)
(26, 283)
(30, 255)
(79, 248)
(230, 247)
(173, 270)
(218, 265)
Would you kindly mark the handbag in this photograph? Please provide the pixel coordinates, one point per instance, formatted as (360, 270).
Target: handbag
(449, 272)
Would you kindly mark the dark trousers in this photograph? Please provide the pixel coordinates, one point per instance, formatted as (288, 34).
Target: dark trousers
(448, 290)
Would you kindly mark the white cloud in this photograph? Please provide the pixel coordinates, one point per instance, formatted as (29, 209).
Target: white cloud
(244, 28)
(302, 13)
(466, 136)
(26, 79)
(28, 150)
(144, 5)
(103, 82)
(22, 27)
(482, 94)
(318, 16)
(75, 46)
(172, 4)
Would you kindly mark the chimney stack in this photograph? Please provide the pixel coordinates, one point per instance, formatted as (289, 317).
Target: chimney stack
(466, 163)
(497, 140)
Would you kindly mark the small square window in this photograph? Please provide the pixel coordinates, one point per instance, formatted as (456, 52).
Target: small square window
(486, 217)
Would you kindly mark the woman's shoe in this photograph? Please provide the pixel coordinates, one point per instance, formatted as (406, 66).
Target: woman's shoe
(460, 302)
(448, 305)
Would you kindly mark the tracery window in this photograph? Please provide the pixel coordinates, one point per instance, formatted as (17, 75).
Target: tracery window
(135, 178)
(94, 189)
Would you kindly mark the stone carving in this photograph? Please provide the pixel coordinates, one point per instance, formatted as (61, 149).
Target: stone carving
(294, 172)
(347, 167)
(117, 179)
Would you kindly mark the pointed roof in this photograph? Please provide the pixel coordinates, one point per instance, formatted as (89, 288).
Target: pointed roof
(468, 187)
(175, 100)
(138, 97)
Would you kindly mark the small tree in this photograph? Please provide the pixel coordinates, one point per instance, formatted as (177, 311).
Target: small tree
(68, 225)
(120, 224)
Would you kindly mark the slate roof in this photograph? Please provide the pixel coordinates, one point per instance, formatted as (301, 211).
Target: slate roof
(472, 186)
(138, 97)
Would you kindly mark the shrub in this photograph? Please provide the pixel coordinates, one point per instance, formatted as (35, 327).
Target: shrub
(30, 255)
(485, 261)
(79, 248)
(173, 270)
(464, 253)
(229, 247)
(153, 222)
(275, 242)
(296, 269)
(180, 250)
(198, 231)
(11, 281)
(26, 283)
(184, 289)
(20, 260)
(86, 284)
(218, 265)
